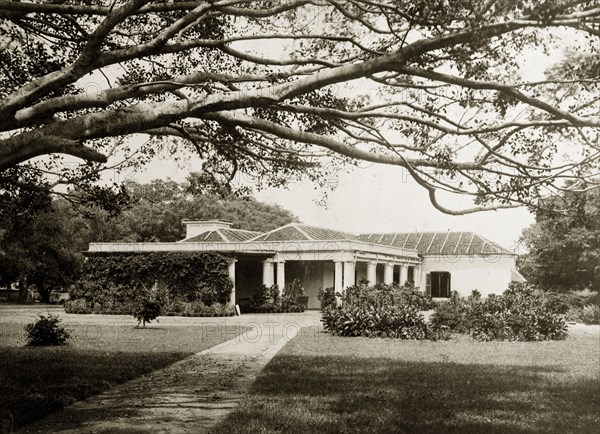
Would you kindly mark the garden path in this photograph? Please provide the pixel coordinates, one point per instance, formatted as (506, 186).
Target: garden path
(190, 396)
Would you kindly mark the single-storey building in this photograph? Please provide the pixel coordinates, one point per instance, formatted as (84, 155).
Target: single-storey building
(435, 262)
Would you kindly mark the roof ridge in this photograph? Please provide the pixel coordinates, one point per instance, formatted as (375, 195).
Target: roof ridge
(295, 225)
(266, 234)
(227, 240)
(242, 230)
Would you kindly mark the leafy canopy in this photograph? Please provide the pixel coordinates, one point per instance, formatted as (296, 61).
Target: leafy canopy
(290, 88)
(564, 248)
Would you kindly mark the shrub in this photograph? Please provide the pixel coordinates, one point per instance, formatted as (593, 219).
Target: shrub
(77, 306)
(561, 303)
(589, 314)
(290, 299)
(327, 298)
(122, 281)
(520, 314)
(458, 313)
(147, 311)
(377, 311)
(517, 315)
(46, 331)
(268, 299)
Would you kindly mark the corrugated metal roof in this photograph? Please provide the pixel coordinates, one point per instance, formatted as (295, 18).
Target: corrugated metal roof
(440, 243)
(426, 243)
(238, 235)
(222, 236)
(322, 234)
(299, 232)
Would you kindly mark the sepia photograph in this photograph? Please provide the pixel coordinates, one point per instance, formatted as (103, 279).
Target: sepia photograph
(300, 216)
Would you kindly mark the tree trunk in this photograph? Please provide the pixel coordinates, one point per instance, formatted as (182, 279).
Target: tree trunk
(44, 294)
(23, 290)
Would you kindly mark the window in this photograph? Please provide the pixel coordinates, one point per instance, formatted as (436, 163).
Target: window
(438, 284)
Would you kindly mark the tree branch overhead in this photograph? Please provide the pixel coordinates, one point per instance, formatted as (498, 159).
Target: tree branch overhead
(427, 86)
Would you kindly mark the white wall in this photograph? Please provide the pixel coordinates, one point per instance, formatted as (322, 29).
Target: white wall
(487, 274)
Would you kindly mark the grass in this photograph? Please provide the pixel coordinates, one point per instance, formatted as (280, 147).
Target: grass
(35, 381)
(320, 383)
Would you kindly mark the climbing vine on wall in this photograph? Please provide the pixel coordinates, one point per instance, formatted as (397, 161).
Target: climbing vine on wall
(126, 278)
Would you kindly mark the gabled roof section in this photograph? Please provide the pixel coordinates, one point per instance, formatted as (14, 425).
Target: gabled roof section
(439, 243)
(300, 232)
(222, 236)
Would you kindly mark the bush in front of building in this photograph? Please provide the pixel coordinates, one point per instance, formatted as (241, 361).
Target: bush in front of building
(327, 297)
(118, 284)
(519, 314)
(147, 311)
(271, 300)
(378, 311)
(457, 314)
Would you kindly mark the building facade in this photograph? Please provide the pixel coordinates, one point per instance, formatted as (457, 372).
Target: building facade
(436, 263)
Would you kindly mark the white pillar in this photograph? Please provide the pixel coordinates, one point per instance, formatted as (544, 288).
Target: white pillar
(388, 273)
(281, 276)
(338, 286)
(349, 278)
(337, 282)
(418, 277)
(231, 272)
(267, 277)
(372, 272)
(403, 274)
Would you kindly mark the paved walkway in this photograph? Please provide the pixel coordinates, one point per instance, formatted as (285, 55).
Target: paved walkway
(190, 396)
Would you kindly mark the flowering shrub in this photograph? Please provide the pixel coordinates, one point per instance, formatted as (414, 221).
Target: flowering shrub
(378, 311)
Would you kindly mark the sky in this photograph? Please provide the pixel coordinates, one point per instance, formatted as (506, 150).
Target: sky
(378, 198)
(371, 198)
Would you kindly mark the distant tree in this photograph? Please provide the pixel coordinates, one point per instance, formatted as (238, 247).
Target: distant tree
(159, 207)
(564, 247)
(36, 242)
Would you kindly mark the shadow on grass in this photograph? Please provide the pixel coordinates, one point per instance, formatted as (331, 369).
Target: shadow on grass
(37, 381)
(331, 394)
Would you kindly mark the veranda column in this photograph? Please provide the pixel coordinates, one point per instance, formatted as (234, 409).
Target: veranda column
(338, 286)
(403, 274)
(349, 278)
(417, 276)
(281, 276)
(268, 268)
(388, 273)
(231, 272)
(372, 272)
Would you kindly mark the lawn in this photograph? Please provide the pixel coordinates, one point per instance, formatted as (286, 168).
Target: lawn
(103, 352)
(320, 383)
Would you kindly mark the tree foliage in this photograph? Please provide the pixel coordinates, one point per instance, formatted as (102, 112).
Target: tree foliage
(283, 89)
(159, 207)
(564, 247)
(129, 279)
(38, 243)
(42, 238)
